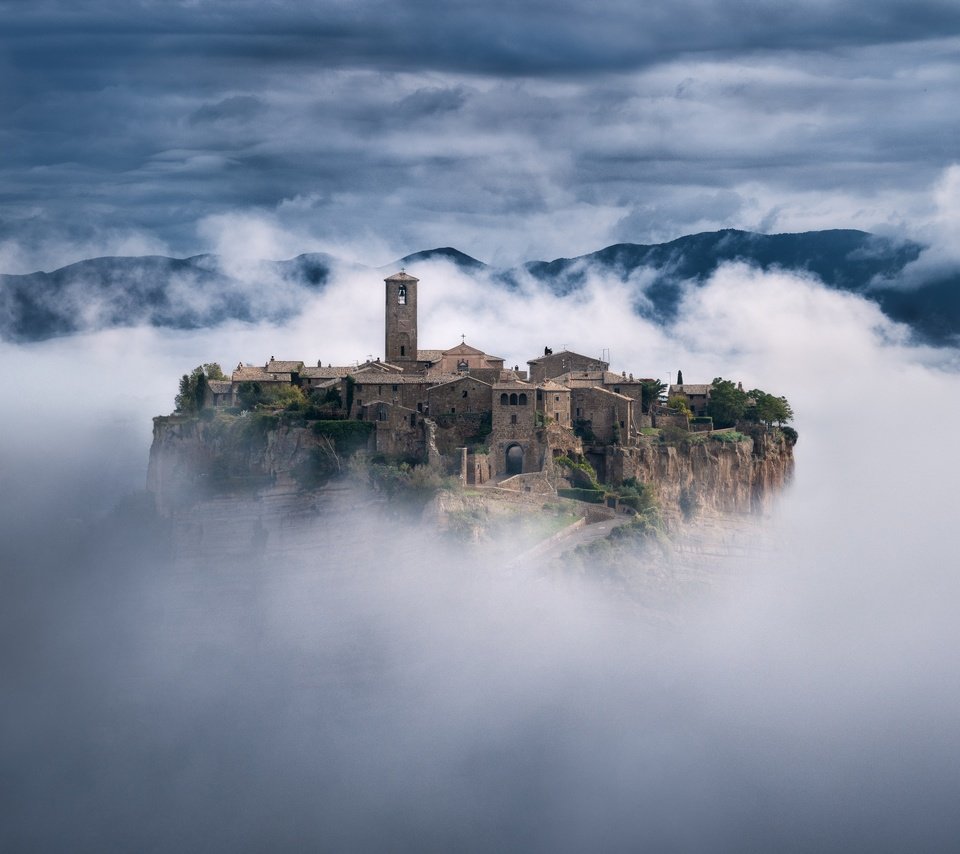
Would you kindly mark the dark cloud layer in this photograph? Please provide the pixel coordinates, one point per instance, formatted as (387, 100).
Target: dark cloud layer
(510, 130)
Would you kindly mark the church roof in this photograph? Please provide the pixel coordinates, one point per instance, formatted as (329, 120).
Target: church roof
(402, 276)
(463, 349)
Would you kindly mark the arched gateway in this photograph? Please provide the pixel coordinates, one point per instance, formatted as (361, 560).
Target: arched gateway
(514, 459)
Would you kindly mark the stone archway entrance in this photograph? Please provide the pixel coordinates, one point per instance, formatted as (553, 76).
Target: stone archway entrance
(514, 459)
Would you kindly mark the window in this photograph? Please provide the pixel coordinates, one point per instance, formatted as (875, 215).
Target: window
(379, 389)
(616, 388)
(556, 397)
(504, 400)
(621, 424)
(578, 412)
(513, 399)
(419, 408)
(523, 399)
(402, 295)
(394, 388)
(453, 409)
(513, 418)
(403, 350)
(413, 420)
(464, 393)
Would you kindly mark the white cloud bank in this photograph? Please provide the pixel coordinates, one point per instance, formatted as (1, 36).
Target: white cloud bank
(810, 704)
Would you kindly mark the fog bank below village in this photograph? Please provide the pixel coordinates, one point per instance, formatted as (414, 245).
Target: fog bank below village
(394, 691)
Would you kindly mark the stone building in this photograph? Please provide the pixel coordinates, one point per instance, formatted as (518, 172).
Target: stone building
(460, 396)
(513, 445)
(553, 402)
(552, 365)
(696, 395)
(602, 417)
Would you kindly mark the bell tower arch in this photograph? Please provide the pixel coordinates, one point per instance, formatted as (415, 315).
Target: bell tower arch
(400, 325)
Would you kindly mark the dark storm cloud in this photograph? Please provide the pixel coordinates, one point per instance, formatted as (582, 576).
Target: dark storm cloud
(513, 130)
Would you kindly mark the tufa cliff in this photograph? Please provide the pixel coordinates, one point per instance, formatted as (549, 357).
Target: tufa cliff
(698, 477)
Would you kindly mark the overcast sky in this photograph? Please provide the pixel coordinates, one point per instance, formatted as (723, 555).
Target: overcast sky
(510, 130)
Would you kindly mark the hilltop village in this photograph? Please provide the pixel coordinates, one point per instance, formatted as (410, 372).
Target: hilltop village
(463, 407)
(463, 411)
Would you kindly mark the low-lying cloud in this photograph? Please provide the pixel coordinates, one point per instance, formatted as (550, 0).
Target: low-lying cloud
(384, 689)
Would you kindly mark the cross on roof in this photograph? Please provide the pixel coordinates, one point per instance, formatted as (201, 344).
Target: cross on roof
(463, 338)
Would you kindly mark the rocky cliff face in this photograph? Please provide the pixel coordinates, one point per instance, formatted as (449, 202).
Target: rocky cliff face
(194, 459)
(699, 479)
(709, 478)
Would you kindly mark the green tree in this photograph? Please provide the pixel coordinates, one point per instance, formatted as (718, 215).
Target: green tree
(679, 377)
(650, 391)
(678, 403)
(193, 387)
(770, 409)
(727, 403)
(213, 371)
(250, 394)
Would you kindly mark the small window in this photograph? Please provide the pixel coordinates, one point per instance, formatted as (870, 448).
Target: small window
(513, 399)
(379, 389)
(616, 388)
(394, 388)
(556, 397)
(403, 350)
(419, 407)
(504, 400)
(578, 412)
(513, 418)
(523, 399)
(413, 420)
(621, 424)
(464, 393)
(453, 409)
(402, 295)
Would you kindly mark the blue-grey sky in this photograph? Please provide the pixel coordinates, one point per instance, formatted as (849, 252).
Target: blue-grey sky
(512, 130)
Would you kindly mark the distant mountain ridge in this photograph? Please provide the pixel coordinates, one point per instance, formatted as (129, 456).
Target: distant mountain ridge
(205, 290)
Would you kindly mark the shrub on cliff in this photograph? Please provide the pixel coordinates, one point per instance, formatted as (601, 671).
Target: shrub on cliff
(790, 435)
(582, 475)
(672, 435)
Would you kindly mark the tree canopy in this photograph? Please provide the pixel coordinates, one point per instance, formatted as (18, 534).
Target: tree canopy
(193, 386)
(770, 409)
(727, 403)
(650, 391)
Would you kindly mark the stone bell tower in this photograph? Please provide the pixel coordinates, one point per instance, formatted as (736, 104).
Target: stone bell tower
(401, 319)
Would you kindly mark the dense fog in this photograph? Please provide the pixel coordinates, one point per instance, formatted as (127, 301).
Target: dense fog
(395, 691)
